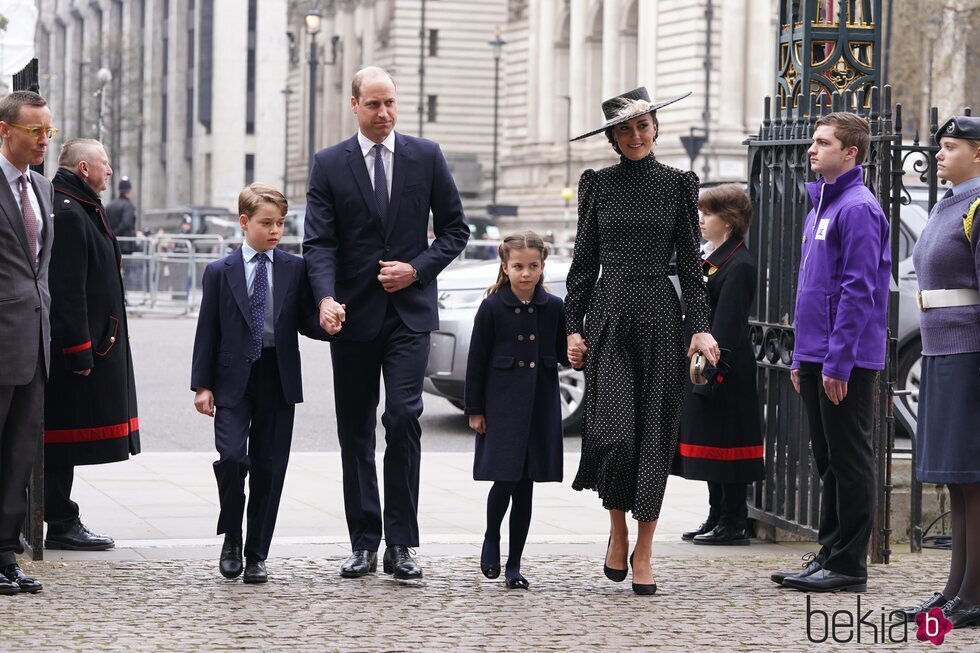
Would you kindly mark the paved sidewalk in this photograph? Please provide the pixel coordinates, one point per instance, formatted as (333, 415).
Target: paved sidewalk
(160, 590)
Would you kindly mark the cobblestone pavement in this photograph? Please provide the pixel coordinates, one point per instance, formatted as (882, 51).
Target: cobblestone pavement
(703, 604)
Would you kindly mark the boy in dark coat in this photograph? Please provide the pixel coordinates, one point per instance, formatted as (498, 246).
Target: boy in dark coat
(90, 414)
(246, 374)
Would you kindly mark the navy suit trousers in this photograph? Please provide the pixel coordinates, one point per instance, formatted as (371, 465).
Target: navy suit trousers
(399, 355)
(253, 439)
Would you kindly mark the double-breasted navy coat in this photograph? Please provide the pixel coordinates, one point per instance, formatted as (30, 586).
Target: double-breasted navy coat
(512, 379)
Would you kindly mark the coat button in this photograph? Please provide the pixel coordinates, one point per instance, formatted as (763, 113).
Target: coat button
(520, 338)
(112, 339)
(387, 248)
(530, 309)
(531, 364)
(248, 360)
(517, 310)
(531, 337)
(520, 363)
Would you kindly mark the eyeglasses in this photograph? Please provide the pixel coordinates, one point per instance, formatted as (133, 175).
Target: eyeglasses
(36, 132)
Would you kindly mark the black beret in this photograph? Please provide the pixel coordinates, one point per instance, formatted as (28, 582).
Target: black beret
(960, 127)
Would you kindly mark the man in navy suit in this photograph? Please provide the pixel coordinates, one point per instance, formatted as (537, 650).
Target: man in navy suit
(373, 273)
(246, 374)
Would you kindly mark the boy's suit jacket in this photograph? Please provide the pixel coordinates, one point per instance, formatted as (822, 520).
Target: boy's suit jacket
(223, 344)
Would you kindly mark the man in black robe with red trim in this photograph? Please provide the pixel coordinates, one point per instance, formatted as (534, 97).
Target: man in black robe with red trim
(90, 412)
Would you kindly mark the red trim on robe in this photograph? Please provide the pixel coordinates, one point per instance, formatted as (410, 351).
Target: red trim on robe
(69, 436)
(77, 348)
(720, 453)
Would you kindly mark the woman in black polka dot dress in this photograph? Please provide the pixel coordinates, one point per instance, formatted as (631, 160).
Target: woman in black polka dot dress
(624, 324)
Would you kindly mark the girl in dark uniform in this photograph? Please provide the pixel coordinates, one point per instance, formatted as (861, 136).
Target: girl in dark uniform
(626, 326)
(721, 434)
(512, 396)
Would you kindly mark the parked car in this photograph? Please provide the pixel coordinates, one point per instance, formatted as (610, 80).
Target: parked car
(199, 220)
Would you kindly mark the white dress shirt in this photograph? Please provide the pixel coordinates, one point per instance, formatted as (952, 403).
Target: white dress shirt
(249, 255)
(12, 175)
(387, 156)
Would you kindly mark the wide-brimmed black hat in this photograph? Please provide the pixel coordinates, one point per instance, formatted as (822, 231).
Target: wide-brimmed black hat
(960, 127)
(627, 106)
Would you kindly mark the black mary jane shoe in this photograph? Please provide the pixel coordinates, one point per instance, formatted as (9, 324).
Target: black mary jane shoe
(962, 615)
(491, 570)
(516, 583)
(615, 575)
(937, 600)
(706, 526)
(643, 589)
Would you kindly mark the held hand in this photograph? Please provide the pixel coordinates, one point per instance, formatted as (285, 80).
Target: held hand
(576, 350)
(706, 344)
(794, 376)
(332, 315)
(479, 424)
(835, 388)
(84, 372)
(204, 402)
(396, 275)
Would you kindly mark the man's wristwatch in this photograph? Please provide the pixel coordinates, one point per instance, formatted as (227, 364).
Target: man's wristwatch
(415, 274)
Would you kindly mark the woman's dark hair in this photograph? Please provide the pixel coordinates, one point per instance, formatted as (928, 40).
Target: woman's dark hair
(612, 137)
(730, 203)
(520, 240)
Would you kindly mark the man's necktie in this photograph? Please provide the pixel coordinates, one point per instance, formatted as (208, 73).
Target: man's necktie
(30, 219)
(256, 305)
(949, 193)
(380, 183)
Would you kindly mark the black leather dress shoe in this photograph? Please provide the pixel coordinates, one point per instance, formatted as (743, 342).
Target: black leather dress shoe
(361, 562)
(825, 580)
(8, 587)
(705, 527)
(24, 583)
(255, 572)
(724, 535)
(77, 538)
(398, 560)
(962, 615)
(937, 600)
(230, 564)
(810, 565)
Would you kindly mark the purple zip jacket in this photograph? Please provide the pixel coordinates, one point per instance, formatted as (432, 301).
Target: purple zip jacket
(845, 269)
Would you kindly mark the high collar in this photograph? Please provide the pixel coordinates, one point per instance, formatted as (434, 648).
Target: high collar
(70, 183)
(641, 165)
(720, 256)
(508, 297)
(850, 179)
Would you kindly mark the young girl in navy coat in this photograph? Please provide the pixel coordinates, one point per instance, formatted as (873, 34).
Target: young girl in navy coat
(512, 395)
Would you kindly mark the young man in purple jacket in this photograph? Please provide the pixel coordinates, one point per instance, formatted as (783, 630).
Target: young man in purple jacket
(841, 308)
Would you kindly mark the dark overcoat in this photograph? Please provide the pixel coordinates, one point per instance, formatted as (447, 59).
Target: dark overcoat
(512, 379)
(87, 419)
(721, 433)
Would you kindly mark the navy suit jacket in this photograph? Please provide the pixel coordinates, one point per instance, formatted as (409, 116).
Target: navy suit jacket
(346, 238)
(223, 343)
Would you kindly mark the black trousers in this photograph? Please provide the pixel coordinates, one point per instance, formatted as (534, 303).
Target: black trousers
(253, 440)
(399, 356)
(840, 437)
(726, 502)
(60, 512)
(21, 432)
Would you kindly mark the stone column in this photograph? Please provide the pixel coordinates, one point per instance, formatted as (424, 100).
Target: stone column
(611, 70)
(370, 29)
(646, 46)
(577, 87)
(546, 73)
(734, 65)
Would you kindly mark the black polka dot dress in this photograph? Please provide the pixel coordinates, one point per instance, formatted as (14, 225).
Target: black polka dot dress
(632, 217)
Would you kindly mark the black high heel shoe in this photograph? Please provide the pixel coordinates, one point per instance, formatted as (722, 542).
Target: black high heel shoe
(490, 571)
(615, 575)
(643, 589)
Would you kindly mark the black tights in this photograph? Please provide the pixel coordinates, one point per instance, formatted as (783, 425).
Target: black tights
(518, 495)
(964, 566)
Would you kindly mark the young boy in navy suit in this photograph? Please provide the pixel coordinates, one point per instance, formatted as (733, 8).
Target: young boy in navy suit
(246, 374)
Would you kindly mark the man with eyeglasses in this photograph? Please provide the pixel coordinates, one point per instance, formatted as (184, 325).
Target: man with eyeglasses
(26, 234)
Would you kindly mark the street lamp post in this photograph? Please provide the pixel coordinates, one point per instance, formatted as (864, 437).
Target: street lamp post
(497, 44)
(104, 75)
(567, 193)
(286, 92)
(313, 19)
